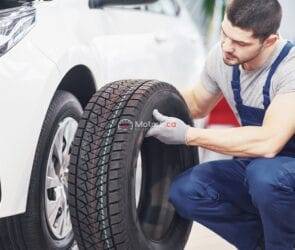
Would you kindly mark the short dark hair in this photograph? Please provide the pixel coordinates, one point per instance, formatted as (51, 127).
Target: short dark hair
(263, 17)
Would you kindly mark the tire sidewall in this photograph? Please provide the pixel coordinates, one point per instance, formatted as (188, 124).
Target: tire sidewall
(136, 137)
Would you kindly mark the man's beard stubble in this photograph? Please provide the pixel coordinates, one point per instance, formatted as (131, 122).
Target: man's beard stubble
(241, 62)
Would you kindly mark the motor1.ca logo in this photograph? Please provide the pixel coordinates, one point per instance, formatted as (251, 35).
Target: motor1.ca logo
(125, 125)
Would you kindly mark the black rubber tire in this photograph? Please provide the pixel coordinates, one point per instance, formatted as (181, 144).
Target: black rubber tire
(102, 169)
(30, 231)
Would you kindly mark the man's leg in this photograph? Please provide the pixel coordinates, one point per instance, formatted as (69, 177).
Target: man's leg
(272, 187)
(214, 195)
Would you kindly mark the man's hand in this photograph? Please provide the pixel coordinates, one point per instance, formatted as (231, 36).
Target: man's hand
(171, 130)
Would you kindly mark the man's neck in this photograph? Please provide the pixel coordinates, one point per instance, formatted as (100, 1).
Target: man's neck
(262, 58)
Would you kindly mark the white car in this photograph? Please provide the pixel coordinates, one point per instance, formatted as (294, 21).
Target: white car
(54, 55)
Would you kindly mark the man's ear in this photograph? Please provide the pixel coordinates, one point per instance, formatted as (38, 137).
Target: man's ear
(270, 40)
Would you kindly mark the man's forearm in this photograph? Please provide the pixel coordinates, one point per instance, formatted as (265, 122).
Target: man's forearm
(249, 141)
(188, 96)
(200, 101)
(189, 100)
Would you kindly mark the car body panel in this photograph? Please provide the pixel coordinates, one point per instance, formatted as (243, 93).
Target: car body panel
(22, 114)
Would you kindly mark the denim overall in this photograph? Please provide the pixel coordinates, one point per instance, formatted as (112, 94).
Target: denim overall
(244, 200)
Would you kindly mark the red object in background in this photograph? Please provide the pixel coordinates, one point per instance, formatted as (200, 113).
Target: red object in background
(222, 114)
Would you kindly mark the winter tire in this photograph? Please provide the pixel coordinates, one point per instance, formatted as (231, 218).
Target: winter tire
(110, 153)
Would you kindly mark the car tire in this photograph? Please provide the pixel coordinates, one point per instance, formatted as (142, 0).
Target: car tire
(34, 230)
(105, 209)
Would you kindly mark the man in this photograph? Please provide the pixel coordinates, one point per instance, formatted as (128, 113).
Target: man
(251, 197)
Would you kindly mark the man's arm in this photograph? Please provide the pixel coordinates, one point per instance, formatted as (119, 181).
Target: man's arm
(200, 101)
(265, 141)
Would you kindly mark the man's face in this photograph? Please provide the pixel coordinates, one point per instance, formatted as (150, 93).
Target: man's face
(238, 45)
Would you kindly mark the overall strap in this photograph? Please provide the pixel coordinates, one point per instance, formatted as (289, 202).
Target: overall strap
(285, 51)
(236, 85)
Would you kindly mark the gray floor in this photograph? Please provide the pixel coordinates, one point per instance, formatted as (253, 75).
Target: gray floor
(203, 239)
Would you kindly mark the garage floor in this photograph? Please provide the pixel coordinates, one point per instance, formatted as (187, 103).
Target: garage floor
(203, 239)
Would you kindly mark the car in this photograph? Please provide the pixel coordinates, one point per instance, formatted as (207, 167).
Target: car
(54, 55)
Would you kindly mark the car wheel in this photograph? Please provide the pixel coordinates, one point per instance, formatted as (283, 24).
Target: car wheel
(46, 223)
(119, 180)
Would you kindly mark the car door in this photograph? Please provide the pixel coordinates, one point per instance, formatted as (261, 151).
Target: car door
(150, 41)
(178, 42)
(154, 40)
(115, 42)
(129, 48)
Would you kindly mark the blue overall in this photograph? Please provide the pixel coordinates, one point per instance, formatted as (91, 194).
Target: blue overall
(244, 200)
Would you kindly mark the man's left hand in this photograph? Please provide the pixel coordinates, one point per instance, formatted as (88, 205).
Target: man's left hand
(171, 130)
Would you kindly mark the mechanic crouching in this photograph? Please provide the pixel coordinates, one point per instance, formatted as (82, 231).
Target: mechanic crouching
(249, 200)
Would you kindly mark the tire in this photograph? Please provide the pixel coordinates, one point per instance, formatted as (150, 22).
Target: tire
(32, 230)
(105, 212)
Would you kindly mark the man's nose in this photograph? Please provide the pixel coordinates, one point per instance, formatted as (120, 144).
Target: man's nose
(227, 46)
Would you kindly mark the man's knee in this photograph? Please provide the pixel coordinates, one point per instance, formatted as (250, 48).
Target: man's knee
(188, 195)
(266, 179)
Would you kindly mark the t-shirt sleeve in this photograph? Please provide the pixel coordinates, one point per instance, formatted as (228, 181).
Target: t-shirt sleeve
(208, 79)
(286, 77)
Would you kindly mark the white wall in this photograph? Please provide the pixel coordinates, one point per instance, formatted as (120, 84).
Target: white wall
(287, 29)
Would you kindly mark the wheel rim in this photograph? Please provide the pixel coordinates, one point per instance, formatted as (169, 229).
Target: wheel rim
(56, 183)
(138, 179)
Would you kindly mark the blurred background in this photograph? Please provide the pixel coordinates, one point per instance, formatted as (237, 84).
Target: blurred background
(208, 15)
